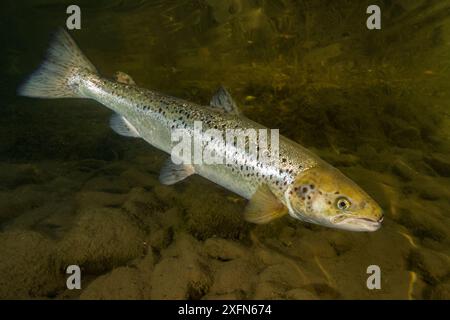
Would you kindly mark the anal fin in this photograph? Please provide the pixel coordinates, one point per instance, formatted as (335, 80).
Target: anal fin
(122, 126)
(264, 206)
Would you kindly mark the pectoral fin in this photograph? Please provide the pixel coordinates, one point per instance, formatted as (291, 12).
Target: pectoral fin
(122, 126)
(223, 100)
(171, 173)
(264, 206)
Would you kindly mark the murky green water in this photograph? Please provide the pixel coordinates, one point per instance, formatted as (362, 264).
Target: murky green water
(373, 103)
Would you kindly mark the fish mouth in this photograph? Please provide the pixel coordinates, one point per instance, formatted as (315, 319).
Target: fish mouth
(359, 224)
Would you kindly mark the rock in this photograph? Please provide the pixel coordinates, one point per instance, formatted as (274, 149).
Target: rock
(209, 215)
(26, 266)
(441, 291)
(270, 257)
(429, 225)
(431, 188)
(433, 266)
(116, 185)
(269, 291)
(51, 219)
(342, 277)
(341, 160)
(146, 264)
(287, 236)
(140, 178)
(325, 291)
(440, 163)
(404, 171)
(121, 283)
(341, 242)
(181, 273)
(225, 296)
(64, 185)
(88, 165)
(171, 218)
(267, 257)
(301, 294)
(367, 151)
(22, 199)
(98, 199)
(222, 249)
(167, 194)
(15, 175)
(315, 242)
(238, 275)
(286, 275)
(153, 216)
(142, 204)
(406, 136)
(100, 240)
(160, 239)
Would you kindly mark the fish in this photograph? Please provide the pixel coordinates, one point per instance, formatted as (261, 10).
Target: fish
(299, 184)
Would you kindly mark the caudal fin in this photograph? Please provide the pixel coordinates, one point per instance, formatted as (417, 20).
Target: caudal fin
(51, 79)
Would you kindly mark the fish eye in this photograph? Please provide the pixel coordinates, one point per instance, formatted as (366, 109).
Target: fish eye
(343, 203)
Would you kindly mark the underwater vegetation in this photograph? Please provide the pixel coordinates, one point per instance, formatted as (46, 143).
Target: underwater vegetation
(375, 104)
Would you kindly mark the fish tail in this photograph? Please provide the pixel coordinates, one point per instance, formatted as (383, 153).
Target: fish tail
(53, 78)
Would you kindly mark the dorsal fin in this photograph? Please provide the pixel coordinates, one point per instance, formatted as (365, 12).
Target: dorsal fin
(223, 100)
(122, 77)
(122, 126)
(171, 173)
(264, 206)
